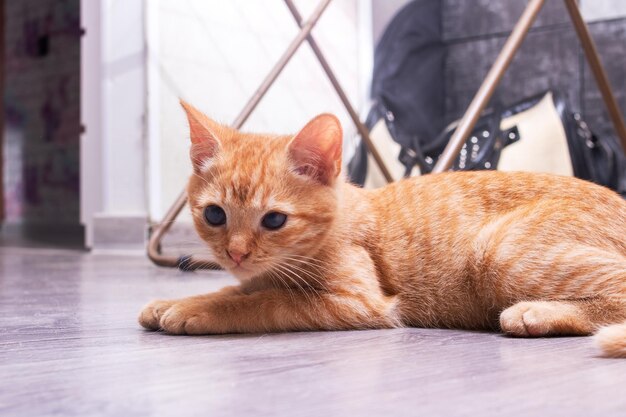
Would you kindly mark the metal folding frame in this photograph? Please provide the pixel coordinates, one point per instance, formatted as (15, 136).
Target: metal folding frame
(190, 262)
(465, 125)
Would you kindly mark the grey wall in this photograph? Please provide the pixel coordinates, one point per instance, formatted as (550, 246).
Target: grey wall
(550, 57)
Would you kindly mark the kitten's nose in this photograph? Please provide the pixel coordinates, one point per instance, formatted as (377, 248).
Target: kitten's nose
(237, 256)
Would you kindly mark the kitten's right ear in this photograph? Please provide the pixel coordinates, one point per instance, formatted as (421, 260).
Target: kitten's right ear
(204, 141)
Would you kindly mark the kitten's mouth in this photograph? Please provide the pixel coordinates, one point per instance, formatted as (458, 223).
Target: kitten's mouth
(239, 268)
(247, 271)
(242, 273)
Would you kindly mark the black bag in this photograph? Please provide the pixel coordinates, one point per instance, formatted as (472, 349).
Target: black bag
(407, 79)
(597, 159)
(600, 160)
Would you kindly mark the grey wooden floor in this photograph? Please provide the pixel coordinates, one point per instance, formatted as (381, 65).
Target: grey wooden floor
(70, 346)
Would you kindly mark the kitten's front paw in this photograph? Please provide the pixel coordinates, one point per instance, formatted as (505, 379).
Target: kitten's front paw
(151, 314)
(183, 318)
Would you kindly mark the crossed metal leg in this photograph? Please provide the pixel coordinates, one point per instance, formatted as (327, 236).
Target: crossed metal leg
(159, 230)
(465, 126)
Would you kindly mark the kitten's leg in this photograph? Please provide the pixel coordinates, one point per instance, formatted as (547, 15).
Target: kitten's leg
(151, 314)
(274, 310)
(576, 317)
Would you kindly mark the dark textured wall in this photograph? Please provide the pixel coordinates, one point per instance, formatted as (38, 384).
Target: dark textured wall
(41, 105)
(610, 38)
(550, 57)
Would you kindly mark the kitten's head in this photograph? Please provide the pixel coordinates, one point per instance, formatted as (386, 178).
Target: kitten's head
(260, 201)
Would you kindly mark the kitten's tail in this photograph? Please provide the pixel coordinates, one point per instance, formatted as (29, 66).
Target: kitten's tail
(612, 340)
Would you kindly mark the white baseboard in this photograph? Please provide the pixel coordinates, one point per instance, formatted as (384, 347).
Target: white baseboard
(119, 233)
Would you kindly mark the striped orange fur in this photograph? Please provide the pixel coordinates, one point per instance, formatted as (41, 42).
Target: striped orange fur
(527, 254)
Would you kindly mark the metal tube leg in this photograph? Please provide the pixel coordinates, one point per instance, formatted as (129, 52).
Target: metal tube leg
(602, 80)
(363, 131)
(480, 100)
(191, 262)
(159, 230)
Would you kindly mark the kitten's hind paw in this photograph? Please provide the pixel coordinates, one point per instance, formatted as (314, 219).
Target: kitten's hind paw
(544, 318)
(524, 320)
(151, 314)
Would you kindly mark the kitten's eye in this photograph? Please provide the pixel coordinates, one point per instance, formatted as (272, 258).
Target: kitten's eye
(274, 220)
(215, 215)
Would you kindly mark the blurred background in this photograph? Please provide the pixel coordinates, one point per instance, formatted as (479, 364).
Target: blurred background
(94, 144)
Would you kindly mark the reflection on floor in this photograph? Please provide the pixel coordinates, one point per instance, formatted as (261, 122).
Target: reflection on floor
(70, 346)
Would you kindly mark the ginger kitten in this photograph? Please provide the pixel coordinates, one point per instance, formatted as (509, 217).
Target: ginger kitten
(528, 254)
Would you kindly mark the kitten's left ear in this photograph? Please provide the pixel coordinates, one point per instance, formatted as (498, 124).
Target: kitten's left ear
(316, 149)
(203, 132)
